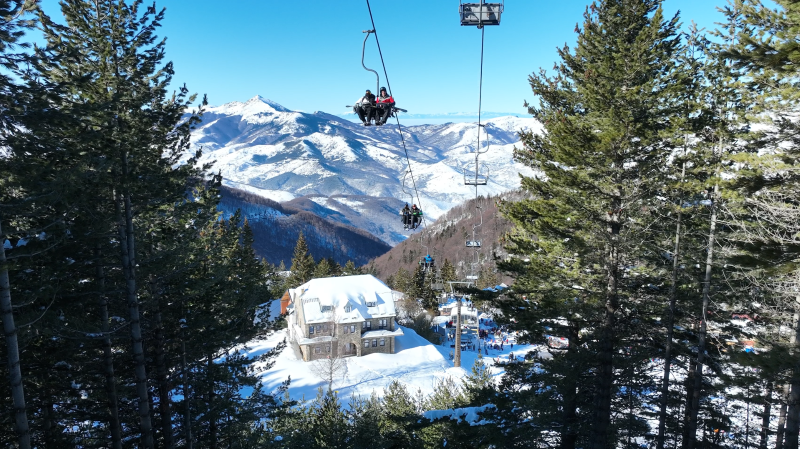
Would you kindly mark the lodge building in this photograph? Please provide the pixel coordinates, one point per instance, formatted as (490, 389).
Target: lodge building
(346, 316)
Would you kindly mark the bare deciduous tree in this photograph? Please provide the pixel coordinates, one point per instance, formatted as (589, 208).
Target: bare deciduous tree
(329, 369)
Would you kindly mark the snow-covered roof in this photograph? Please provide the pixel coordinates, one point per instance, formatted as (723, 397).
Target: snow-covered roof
(383, 333)
(347, 299)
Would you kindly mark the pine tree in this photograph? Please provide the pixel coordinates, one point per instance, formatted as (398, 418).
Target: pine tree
(486, 277)
(769, 249)
(448, 272)
(112, 140)
(365, 416)
(336, 269)
(400, 413)
(11, 30)
(478, 382)
(302, 264)
(350, 269)
(604, 112)
(323, 269)
(447, 394)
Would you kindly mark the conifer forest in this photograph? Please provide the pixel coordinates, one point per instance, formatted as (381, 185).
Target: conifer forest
(660, 236)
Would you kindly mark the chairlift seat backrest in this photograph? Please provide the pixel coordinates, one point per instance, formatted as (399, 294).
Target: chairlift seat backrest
(475, 14)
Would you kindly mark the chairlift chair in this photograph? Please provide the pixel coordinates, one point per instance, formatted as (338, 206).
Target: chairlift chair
(427, 265)
(480, 14)
(395, 109)
(477, 177)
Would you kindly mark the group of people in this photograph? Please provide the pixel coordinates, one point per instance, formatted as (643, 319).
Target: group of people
(378, 108)
(412, 217)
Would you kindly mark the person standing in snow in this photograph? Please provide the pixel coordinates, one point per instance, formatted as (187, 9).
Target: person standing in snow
(385, 102)
(365, 107)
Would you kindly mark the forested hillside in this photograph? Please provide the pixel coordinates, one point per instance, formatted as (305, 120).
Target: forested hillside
(446, 238)
(276, 228)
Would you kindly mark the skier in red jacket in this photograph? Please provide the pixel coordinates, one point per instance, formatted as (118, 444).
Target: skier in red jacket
(385, 102)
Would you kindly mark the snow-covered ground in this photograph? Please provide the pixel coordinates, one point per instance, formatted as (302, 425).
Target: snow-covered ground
(417, 364)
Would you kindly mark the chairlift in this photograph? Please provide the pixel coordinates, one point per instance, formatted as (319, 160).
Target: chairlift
(438, 284)
(477, 177)
(480, 14)
(473, 243)
(395, 109)
(427, 263)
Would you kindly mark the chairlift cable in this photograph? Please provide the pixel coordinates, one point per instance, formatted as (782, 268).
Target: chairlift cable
(399, 128)
(480, 100)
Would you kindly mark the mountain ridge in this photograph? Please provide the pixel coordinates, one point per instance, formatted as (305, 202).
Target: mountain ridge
(264, 148)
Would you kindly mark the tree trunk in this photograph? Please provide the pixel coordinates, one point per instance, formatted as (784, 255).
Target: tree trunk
(691, 425)
(782, 418)
(48, 419)
(127, 247)
(689, 384)
(662, 413)
(187, 419)
(108, 357)
(161, 372)
(793, 414)
(212, 416)
(12, 346)
(569, 434)
(765, 417)
(605, 373)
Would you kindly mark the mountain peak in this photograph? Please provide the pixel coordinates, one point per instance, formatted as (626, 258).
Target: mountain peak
(252, 107)
(258, 99)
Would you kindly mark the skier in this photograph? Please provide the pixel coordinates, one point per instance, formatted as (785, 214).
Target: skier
(427, 262)
(406, 213)
(385, 104)
(365, 108)
(416, 216)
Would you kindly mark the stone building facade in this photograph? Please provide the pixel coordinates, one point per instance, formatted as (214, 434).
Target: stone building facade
(347, 316)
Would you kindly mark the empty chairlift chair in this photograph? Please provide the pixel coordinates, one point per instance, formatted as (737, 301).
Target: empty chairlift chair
(480, 14)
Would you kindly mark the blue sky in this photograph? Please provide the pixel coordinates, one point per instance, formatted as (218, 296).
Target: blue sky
(306, 54)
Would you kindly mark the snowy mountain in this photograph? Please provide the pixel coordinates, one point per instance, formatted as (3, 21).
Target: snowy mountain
(350, 173)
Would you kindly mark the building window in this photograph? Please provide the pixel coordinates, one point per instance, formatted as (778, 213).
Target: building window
(353, 329)
(319, 328)
(374, 343)
(383, 342)
(366, 343)
(328, 349)
(326, 309)
(368, 324)
(317, 350)
(382, 324)
(310, 329)
(348, 308)
(372, 304)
